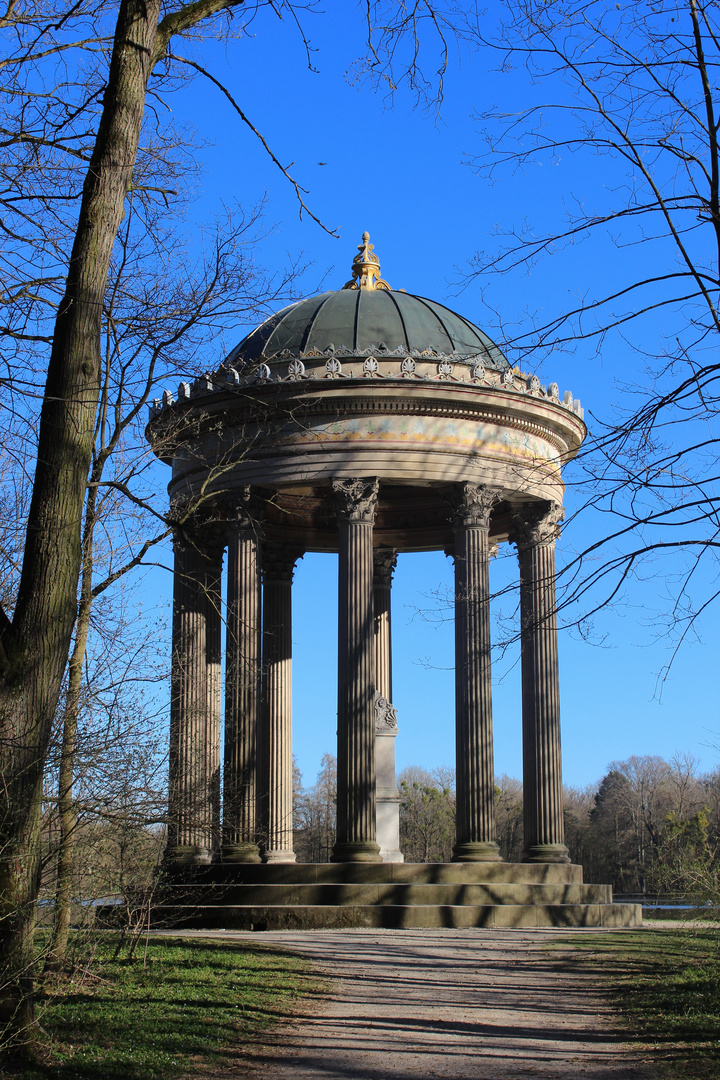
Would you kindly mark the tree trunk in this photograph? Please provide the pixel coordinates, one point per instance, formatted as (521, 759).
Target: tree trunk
(66, 775)
(67, 812)
(34, 648)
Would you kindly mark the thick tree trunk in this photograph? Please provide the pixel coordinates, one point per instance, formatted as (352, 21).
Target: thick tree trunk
(35, 646)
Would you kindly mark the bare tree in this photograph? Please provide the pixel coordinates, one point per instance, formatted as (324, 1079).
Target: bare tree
(509, 817)
(629, 92)
(315, 813)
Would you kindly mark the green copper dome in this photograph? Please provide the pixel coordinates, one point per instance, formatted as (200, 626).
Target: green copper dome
(365, 316)
(362, 321)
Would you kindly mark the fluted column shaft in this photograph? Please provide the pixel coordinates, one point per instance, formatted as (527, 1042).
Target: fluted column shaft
(387, 796)
(213, 607)
(242, 688)
(475, 799)
(384, 562)
(276, 794)
(355, 503)
(194, 796)
(536, 528)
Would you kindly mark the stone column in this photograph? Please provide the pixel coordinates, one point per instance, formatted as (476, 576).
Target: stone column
(475, 812)
(214, 620)
(194, 798)
(275, 803)
(536, 527)
(387, 796)
(355, 503)
(242, 686)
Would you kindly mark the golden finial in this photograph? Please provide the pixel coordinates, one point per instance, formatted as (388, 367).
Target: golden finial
(366, 268)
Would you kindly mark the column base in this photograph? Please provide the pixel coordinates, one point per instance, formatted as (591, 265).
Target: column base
(180, 855)
(477, 851)
(279, 856)
(546, 853)
(363, 851)
(240, 853)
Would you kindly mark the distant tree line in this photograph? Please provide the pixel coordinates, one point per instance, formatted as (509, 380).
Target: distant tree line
(649, 826)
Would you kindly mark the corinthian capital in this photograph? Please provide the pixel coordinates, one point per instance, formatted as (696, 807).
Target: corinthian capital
(243, 509)
(278, 561)
(198, 527)
(536, 523)
(384, 563)
(355, 500)
(473, 504)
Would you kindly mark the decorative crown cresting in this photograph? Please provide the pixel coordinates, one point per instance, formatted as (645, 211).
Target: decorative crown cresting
(366, 268)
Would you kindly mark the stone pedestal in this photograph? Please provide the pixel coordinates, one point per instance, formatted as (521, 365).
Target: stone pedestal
(387, 796)
(242, 686)
(276, 771)
(536, 527)
(475, 820)
(355, 502)
(194, 803)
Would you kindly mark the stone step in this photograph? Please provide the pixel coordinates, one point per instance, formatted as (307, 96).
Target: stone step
(398, 893)
(394, 916)
(372, 873)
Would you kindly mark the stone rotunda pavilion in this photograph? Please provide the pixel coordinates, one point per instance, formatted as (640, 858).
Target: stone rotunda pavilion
(367, 422)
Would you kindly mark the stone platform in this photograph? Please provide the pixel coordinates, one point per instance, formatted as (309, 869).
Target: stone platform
(315, 896)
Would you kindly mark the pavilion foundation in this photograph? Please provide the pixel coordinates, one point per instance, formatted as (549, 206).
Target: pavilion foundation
(313, 896)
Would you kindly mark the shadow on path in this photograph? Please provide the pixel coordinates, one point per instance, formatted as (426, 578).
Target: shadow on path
(459, 1004)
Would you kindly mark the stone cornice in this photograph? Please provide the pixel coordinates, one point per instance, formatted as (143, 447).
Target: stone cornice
(426, 369)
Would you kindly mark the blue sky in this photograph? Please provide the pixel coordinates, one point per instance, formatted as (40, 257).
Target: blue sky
(403, 176)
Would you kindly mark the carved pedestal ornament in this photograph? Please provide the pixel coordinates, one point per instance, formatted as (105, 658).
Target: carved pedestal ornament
(536, 527)
(275, 801)
(385, 715)
(242, 683)
(355, 503)
(475, 815)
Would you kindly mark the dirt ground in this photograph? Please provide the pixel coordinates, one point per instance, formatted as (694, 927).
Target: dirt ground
(458, 1004)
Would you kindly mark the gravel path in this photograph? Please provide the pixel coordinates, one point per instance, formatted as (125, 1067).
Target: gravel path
(458, 1004)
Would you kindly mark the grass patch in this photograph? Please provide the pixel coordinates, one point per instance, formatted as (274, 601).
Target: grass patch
(666, 983)
(189, 1000)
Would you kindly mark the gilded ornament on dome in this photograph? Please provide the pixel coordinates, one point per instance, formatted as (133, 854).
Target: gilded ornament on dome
(366, 268)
